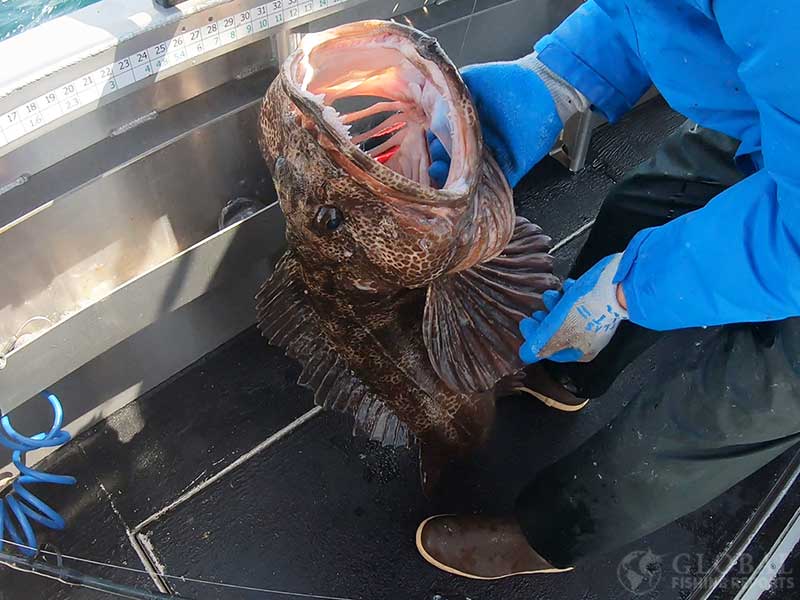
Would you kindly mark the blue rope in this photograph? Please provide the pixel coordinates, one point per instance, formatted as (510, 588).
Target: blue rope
(20, 505)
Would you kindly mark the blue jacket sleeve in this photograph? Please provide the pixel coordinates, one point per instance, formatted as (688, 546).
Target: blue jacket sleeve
(738, 258)
(592, 54)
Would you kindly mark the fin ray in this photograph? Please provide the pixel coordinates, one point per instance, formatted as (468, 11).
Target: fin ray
(471, 317)
(287, 320)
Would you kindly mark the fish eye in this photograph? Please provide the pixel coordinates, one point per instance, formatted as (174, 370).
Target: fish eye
(329, 218)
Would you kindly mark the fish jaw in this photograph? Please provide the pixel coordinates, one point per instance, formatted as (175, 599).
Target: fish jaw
(491, 224)
(416, 80)
(401, 232)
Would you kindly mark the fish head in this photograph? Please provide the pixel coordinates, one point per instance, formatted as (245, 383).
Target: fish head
(344, 128)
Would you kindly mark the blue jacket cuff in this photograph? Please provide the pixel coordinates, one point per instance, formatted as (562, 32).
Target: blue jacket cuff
(636, 308)
(590, 53)
(603, 96)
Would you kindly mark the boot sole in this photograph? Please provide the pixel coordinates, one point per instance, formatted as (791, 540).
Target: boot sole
(551, 402)
(443, 567)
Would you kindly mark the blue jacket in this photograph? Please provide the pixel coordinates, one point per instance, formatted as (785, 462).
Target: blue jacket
(731, 66)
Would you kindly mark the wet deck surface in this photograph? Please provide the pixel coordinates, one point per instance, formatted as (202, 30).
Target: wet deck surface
(227, 473)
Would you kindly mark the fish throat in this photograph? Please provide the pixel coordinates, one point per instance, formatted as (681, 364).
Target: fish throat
(376, 92)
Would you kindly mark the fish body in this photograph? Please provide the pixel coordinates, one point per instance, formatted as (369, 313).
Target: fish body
(401, 300)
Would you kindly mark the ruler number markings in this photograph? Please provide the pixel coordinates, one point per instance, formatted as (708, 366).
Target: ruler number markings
(148, 62)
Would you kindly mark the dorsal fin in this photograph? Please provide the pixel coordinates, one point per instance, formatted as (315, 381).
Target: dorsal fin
(286, 319)
(471, 324)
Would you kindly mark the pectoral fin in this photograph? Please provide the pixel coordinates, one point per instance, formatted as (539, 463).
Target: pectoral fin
(472, 317)
(286, 319)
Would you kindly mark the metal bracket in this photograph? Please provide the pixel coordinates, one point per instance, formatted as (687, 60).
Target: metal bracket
(286, 41)
(573, 143)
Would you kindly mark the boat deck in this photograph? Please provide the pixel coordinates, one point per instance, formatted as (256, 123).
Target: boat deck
(228, 473)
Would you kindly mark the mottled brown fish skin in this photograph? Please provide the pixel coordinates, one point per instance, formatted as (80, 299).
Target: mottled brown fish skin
(410, 247)
(377, 331)
(407, 233)
(361, 290)
(380, 339)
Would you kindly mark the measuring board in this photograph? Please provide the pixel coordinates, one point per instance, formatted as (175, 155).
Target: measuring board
(148, 63)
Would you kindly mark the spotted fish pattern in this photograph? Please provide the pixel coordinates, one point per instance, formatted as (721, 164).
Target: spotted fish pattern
(400, 300)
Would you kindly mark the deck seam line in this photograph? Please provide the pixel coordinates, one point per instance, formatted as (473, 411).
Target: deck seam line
(161, 585)
(191, 492)
(577, 233)
(151, 564)
(773, 561)
(742, 540)
(147, 562)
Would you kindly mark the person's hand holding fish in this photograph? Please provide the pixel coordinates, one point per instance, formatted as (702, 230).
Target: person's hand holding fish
(580, 320)
(522, 107)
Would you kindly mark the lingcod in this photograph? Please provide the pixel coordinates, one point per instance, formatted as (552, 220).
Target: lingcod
(401, 299)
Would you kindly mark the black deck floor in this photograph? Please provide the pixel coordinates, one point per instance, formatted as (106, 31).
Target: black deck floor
(227, 472)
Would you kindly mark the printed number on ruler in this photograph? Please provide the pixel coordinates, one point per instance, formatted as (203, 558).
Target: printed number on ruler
(291, 9)
(227, 30)
(210, 35)
(146, 63)
(244, 24)
(49, 107)
(141, 66)
(260, 18)
(32, 118)
(291, 13)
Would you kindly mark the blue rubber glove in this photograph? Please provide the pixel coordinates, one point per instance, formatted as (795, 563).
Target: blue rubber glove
(521, 106)
(440, 160)
(579, 321)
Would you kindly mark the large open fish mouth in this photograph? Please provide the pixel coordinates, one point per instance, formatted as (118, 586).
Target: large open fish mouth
(378, 89)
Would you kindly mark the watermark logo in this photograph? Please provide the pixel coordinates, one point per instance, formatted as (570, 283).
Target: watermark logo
(640, 572)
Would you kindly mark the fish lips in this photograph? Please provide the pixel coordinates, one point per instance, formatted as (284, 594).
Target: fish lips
(461, 223)
(466, 139)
